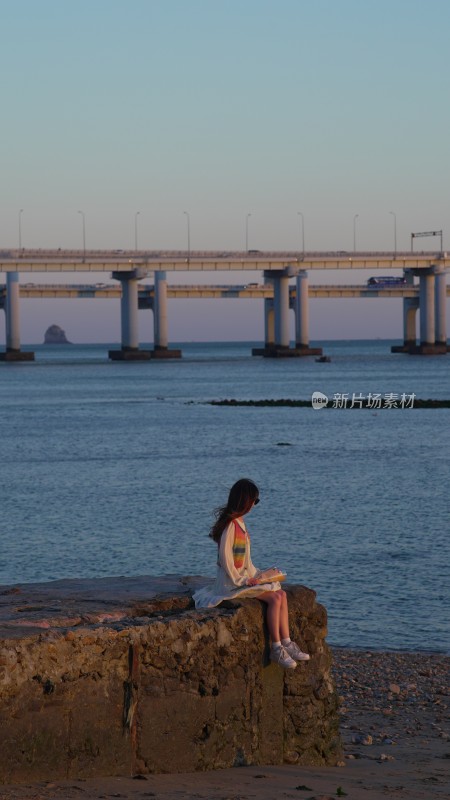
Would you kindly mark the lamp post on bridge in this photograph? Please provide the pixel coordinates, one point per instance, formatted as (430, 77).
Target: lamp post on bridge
(395, 232)
(188, 219)
(354, 232)
(84, 233)
(246, 231)
(303, 231)
(136, 230)
(20, 228)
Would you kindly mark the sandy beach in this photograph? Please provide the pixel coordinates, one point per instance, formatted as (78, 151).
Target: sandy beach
(395, 730)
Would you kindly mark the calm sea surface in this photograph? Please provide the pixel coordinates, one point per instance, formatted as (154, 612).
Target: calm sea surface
(112, 468)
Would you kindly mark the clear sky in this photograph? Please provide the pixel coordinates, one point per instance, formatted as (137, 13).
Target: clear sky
(223, 108)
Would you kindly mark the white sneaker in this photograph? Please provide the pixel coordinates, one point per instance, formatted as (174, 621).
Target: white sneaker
(294, 651)
(280, 656)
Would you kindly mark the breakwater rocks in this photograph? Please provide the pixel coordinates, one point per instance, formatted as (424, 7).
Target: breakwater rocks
(122, 676)
(350, 404)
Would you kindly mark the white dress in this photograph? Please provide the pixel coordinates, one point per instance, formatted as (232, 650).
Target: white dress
(231, 582)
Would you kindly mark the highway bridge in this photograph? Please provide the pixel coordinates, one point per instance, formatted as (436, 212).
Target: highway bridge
(129, 269)
(209, 261)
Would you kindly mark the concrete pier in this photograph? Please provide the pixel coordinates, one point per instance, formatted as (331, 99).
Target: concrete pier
(122, 676)
(129, 318)
(130, 305)
(410, 306)
(161, 336)
(427, 310)
(12, 319)
(276, 317)
(432, 309)
(277, 337)
(440, 306)
(269, 322)
(301, 311)
(281, 308)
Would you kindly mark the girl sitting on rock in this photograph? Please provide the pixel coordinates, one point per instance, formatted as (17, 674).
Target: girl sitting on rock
(236, 573)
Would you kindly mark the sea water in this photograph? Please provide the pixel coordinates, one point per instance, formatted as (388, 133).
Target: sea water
(111, 468)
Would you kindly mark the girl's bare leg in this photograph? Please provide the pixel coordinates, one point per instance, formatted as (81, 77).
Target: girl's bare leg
(278, 625)
(273, 601)
(277, 614)
(284, 620)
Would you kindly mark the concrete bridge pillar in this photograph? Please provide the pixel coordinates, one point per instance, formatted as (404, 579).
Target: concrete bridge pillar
(269, 322)
(440, 306)
(12, 319)
(276, 316)
(281, 307)
(269, 318)
(160, 312)
(129, 318)
(160, 324)
(12, 312)
(433, 336)
(427, 310)
(277, 338)
(301, 309)
(410, 306)
(432, 305)
(129, 314)
(155, 299)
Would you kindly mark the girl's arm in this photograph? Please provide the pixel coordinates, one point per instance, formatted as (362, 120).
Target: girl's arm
(226, 560)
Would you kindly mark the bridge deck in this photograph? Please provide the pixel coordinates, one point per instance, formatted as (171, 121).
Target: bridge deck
(111, 291)
(204, 261)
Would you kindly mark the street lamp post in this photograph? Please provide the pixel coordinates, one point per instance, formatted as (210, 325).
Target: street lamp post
(303, 231)
(246, 232)
(136, 230)
(20, 228)
(188, 220)
(395, 232)
(84, 233)
(354, 232)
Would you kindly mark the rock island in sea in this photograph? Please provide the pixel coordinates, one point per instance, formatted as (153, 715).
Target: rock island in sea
(55, 335)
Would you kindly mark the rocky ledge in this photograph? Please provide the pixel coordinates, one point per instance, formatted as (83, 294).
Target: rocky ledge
(122, 676)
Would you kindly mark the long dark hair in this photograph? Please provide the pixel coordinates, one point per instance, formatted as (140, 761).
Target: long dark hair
(240, 500)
